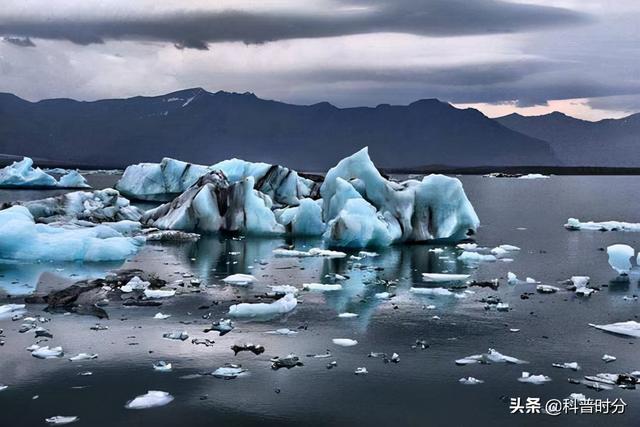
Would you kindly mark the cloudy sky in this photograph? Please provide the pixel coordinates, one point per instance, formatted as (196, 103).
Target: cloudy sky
(581, 57)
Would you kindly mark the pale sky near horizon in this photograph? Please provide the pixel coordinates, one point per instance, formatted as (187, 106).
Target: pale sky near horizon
(580, 57)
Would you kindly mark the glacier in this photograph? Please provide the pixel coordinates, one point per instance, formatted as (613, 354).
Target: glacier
(23, 174)
(354, 207)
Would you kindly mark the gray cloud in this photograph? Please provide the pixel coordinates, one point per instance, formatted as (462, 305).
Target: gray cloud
(195, 29)
(19, 41)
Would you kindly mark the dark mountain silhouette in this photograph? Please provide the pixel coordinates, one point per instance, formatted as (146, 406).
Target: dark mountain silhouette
(204, 127)
(609, 142)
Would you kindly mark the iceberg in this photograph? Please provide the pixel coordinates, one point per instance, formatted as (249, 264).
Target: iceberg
(239, 279)
(526, 377)
(167, 179)
(284, 305)
(151, 399)
(344, 342)
(576, 224)
(630, 328)
(23, 174)
(61, 419)
(22, 239)
(619, 257)
(357, 207)
(492, 356)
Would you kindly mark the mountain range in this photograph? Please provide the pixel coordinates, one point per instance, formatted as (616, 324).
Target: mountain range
(204, 127)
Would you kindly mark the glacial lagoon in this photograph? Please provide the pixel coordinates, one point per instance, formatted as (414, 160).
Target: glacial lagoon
(422, 388)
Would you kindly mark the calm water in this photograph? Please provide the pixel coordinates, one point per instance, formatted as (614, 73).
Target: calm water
(422, 389)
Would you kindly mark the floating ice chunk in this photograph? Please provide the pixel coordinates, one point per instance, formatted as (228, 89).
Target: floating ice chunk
(321, 287)
(368, 254)
(22, 239)
(547, 289)
(361, 371)
(151, 399)
(284, 289)
(580, 281)
(83, 356)
(470, 381)
(578, 397)
(531, 280)
(61, 420)
(135, 283)
(181, 336)
(344, 342)
(229, 372)
(347, 315)
(608, 358)
(567, 365)
(282, 331)
(281, 306)
(162, 366)
(239, 279)
(444, 277)
(533, 176)
(159, 293)
(630, 328)
(8, 311)
(432, 291)
(73, 179)
(475, 257)
(526, 377)
(584, 291)
(313, 252)
(23, 174)
(575, 224)
(223, 326)
(509, 248)
(47, 353)
(289, 361)
(512, 279)
(3, 387)
(290, 253)
(161, 316)
(468, 246)
(619, 257)
(492, 356)
(382, 295)
(502, 306)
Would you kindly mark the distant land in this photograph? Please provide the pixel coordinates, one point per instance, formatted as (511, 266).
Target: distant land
(204, 127)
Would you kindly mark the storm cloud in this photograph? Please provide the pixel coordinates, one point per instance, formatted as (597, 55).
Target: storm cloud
(197, 28)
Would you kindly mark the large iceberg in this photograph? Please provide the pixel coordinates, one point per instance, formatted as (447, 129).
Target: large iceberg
(358, 206)
(22, 239)
(165, 180)
(23, 174)
(94, 206)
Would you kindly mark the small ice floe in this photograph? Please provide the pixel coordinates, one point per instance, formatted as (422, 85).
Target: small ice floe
(609, 358)
(180, 336)
(366, 254)
(159, 293)
(3, 387)
(444, 277)
(324, 355)
(436, 250)
(99, 327)
(533, 176)
(162, 366)
(576, 224)
(229, 371)
(284, 289)
(547, 289)
(321, 287)
(83, 356)
(382, 295)
(512, 279)
(47, 353)
(502, 306)
(253, 348)
(284, 305)
(222, 326)
(467, 246)
(152, 399)
(289, 361)
(567, 365)
(282, 331)
(361, 371)
(531, 280)
(492, 356)
(514, 330)
(605, 381)
(347, 315)
(85, 373)
(438, 292)
(134, 284)
(578, 397)
(161, 316)
(7, 311)
(313, 252)
(630, 328)
(619, 258)
(239, 279)
(344, 342)
(59, 420)
(475, 258)
(470, 381)
(526, 377)
(395, 357)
